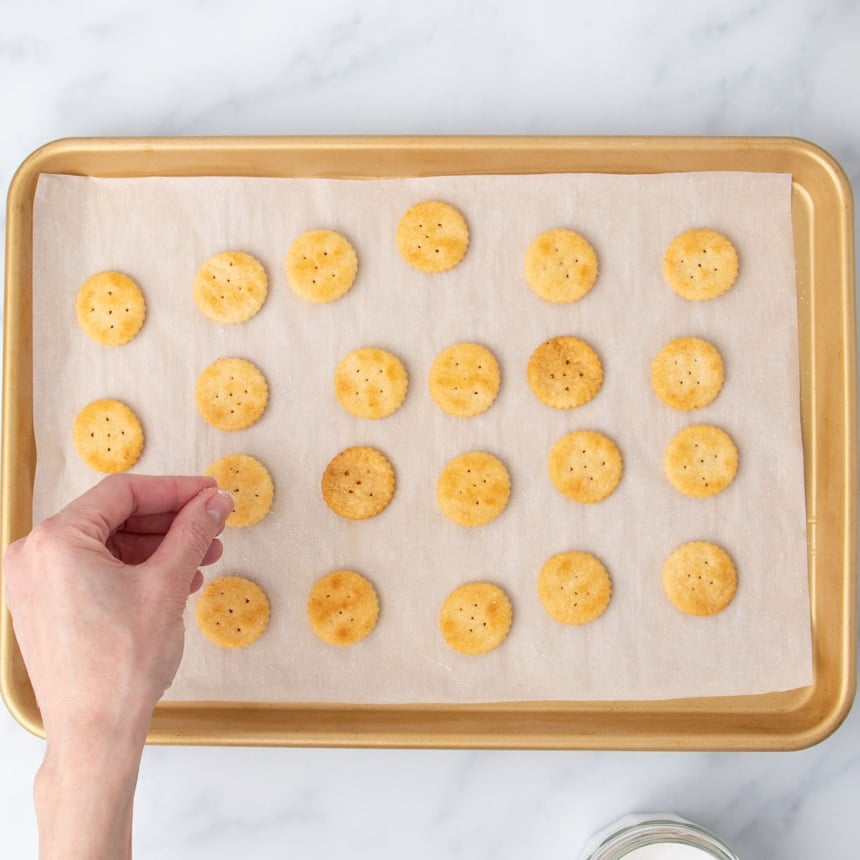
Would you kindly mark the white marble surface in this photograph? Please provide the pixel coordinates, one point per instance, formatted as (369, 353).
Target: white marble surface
(763, 67)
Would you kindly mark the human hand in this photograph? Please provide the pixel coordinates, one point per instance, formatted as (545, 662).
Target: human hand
(96, 595)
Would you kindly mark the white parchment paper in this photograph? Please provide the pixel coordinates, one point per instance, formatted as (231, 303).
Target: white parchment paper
(160, 230)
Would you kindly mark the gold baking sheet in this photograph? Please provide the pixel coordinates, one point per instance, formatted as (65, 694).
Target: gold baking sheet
(822, 221)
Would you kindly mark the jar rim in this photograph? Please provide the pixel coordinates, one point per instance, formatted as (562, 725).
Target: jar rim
(658, 830)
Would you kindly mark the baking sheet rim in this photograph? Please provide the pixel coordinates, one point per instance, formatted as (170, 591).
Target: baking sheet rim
(842, 673)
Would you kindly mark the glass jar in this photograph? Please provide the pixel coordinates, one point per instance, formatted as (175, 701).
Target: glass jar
(656, 837)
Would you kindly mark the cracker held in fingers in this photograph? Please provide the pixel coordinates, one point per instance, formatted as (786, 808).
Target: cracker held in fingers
(250, 484)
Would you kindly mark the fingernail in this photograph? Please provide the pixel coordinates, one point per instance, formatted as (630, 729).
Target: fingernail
(220, 506)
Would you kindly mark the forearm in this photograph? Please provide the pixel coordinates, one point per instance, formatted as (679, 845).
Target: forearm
(84, 794)
(97, 595)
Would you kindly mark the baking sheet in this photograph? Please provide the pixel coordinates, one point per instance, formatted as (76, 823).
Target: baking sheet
(160, 230)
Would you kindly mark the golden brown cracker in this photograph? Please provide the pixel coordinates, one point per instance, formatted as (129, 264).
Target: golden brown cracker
(561, 266)
(358, 483)
(565, 372)
(108, 436)
(687, 373)
(700, 578)
(473, 489)
(321, 266)
(433, 236)
(370, 383)
(342, 607)
(700, 264)
(231, 394)
(110, 308)
(585, 466)
(231, 287)
(701, 460)
(476, 618)
(574, 587)
(250, 484)
(464, 379)
(232, 611)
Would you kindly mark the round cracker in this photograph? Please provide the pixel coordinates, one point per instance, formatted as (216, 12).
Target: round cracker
(701, 461)
(476, 618)
(561, 266)
(700, 264)
(230, 287)
(473, 489)
(342, 607)
(370, 383)
(700, 578)
(464, 379)
(108, 436)
(433, 236)
(358, 483)
(321, 266)
(687, 373)
(565, 372)
(110, 308)
(574, 587)
(250, 484)
(585, 466)
(231, 394)
(232, 611)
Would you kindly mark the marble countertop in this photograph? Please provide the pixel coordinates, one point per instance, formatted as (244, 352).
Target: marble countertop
(184, 67)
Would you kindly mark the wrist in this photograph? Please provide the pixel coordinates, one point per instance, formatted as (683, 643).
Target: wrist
(84, 794)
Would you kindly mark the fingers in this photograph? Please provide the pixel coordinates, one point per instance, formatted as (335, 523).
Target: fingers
(191, 535)
(196, 582)
(135, 549)
(13, 551)
(10, 569)
(106, 506)
(150, 524)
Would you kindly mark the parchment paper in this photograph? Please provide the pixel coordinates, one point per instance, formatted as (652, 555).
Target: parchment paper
(160, 230)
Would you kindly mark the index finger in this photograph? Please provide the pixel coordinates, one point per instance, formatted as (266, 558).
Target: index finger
(115, 499)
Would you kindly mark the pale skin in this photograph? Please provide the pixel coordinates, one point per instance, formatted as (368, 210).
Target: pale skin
(97, 594)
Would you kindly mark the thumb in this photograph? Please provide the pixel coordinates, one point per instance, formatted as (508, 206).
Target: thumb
(191, 533)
